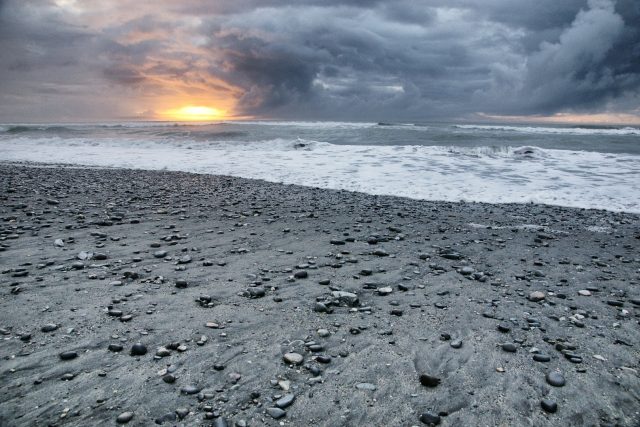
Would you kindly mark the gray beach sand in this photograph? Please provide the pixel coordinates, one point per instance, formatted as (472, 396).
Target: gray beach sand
(256, 303)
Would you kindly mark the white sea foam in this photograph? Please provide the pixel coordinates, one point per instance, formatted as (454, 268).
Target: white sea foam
(484, 174)
(555, 130)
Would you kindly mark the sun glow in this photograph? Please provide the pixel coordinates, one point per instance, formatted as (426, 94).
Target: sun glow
(194, 114)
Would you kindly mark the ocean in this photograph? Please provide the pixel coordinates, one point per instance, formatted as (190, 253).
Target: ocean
(578, 166)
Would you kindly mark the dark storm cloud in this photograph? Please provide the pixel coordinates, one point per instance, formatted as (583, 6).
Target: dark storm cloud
(345, 59)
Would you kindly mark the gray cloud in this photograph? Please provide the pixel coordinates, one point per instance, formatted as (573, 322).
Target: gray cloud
(338, 59)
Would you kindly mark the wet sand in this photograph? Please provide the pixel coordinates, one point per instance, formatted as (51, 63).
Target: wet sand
(265, 304)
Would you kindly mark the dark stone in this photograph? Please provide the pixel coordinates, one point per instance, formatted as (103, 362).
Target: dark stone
(68, 355)
(541, 358)
(276, 413)
(549, 405)
(138, 349)
(285, 401)
(509, 347)
(430, 418)
(190, 389)
(555, 379)
(429, 381)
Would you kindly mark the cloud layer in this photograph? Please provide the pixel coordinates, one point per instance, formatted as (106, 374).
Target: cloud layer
(338, 59)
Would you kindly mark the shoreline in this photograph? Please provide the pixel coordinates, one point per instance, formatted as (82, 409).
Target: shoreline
(36, 165)
(261, 303)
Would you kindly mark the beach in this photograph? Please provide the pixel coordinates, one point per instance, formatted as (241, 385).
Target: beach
(172, 298)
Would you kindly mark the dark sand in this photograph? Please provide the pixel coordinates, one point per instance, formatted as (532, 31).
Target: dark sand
(223, 236)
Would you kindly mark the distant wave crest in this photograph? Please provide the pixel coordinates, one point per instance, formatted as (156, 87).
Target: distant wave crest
(579, 130)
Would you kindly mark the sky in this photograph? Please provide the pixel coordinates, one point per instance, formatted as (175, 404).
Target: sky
(500, 60)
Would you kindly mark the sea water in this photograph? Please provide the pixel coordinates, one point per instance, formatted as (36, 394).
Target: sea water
(579, 166)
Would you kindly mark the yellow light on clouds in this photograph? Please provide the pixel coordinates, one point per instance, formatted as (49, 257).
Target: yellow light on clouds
(195, 113)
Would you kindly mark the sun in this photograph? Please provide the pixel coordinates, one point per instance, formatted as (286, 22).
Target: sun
(193, 113)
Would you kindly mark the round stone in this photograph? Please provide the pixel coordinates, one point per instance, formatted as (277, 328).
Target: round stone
(124, 417)
(429, 380)
(536, 296)
(301, 274)
(115, 347)
(430, 418)
(138, 349)
(509, 347)
(386, 290)
(503, 327)
(293, 358)
(584, 293)
(49, 327)
(541, 358)
(190, 389)
(549, 405)
(68, 355)
(555, 379)
(456, 344)
(276, 413)
(285, 401)
(323, 333)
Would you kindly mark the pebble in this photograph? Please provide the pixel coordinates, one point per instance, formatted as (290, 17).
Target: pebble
(293, 358)
(190, 389)
(541, 357)
(536, 296)
(509, 347)
(584, 293)
(430, 418)
(49, 327)
(124, 417)
(456, 343)
(276, 413)
(366, 386)
(384, 291)
(302, 274)
(429, 380)
(68, 355)
(323, 333)
(503, 327)
(555, 379)
(549, 405)
(138, 349)
(285, 401)
(348, 298)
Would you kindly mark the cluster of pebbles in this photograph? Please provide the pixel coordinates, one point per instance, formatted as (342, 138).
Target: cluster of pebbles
(159, 298)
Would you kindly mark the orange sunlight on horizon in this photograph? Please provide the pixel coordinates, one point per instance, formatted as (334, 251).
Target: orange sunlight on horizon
(193, 113)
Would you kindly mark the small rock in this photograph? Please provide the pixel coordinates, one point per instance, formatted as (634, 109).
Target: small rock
(536, 296)
(384, 291)
(429, 380)
(285, 401)
(124, 418)
(276, 413)
(366, 386)
(456, 343)
(68, 355)
(555, 379)
(138, 349)
(49, 327)
(293, 358)
(509, 347)
(430, 418)
(549, 405)
(190, 389)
